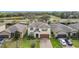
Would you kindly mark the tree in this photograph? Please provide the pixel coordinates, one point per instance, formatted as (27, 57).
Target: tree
(16, 37)
(44, 18)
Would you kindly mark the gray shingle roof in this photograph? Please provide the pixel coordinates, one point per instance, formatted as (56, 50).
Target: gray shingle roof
(16, 27)
(62, 33)
(74, 26)
(61, 27)
(39, 25)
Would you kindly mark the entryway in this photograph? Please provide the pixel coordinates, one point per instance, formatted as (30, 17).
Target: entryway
(37, 35)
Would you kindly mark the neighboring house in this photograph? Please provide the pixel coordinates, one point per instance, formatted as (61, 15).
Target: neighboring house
(17, 27)
(2, 28)
(58, 28)
(9, 32)
(57, 31)
(5, 34)
(39, 30)
(74, 26)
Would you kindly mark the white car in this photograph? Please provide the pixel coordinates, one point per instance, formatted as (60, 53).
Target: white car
(62, 41)
(1, 42)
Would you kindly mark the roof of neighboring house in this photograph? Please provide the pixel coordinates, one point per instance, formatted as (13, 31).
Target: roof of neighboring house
(16, 27)
(74, 26)
(62, 33)
(3, 32)
(39, 25)
(61, 27)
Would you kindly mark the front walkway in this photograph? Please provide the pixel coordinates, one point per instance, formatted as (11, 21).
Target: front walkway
(45, 43)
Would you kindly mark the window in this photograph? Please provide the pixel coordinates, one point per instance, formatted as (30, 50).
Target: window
(31, 28)
(37, 29)
(44, 29)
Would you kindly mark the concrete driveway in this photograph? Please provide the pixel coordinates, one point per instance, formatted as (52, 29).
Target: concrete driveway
(45, 43)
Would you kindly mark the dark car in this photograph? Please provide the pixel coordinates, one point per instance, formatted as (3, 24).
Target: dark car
(68, 41)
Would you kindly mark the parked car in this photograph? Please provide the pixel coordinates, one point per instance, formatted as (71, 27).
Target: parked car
(1, 41)
(68, 41)
(62, 41)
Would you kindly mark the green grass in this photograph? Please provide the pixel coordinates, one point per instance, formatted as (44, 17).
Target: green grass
(75, 43)
(55, 43)
(37, 43)
(26, 43)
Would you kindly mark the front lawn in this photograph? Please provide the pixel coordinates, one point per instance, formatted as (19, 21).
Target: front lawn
(28, 41)
(37, 43)
(55, 43)
(75, 43)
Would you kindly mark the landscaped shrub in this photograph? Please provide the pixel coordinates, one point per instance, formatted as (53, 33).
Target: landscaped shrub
(31, 37)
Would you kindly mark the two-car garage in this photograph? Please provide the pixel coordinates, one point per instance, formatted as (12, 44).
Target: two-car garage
(4, 34)
(44, 35)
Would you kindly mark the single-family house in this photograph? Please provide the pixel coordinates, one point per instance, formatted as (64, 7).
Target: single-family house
(74, 26)
(2, 28)
(59, 28)
(5, 34)
(39, 30)
(9, 32)
(17, 27)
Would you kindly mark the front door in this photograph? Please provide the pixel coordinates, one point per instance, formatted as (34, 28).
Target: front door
(36, 35)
